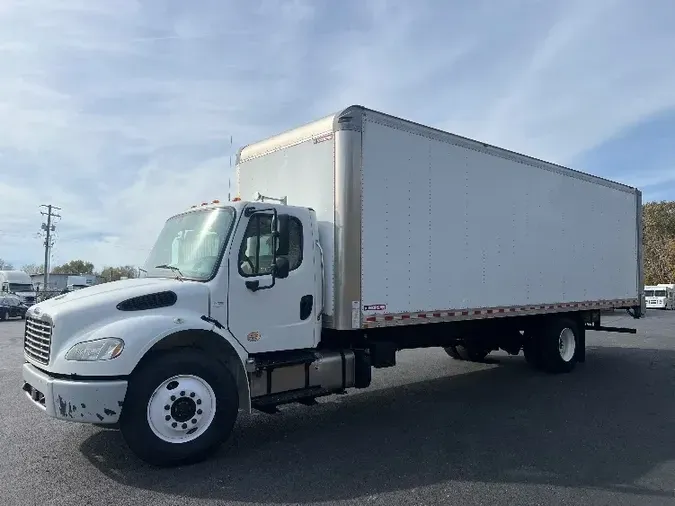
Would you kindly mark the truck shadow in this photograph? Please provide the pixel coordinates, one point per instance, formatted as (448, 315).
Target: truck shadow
(605, 426)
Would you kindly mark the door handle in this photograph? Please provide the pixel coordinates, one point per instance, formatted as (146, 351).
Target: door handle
(306, 304)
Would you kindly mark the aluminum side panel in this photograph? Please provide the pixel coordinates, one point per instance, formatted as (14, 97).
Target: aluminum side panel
(348, 226)
(304, 173)
(640, 249)
(446, 226)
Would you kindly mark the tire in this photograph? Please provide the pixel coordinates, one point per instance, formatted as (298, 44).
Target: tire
(452, 352)
(471, 354)
(4, 314)
(197, 424)
(558, 346)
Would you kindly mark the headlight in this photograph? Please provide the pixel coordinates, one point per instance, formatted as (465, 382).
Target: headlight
(100, 349)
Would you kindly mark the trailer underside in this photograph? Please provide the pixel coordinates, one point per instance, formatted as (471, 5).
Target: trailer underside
(552, 342)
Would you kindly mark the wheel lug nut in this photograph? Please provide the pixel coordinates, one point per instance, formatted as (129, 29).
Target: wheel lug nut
(192, 394)
(199, 411)
(182, 394)
(199, 401)
(167, 417)
(184, 425)
(173, 397)
(174, 425)
(167, 407)
(194, 420)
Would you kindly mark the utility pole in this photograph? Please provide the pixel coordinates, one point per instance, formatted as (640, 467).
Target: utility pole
(48, 227)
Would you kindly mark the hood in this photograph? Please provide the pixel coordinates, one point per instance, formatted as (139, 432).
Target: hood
(106, 296)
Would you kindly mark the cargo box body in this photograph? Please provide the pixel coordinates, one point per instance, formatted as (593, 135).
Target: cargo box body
(419, 225)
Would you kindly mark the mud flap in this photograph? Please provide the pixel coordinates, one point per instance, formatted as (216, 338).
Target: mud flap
(581, 344)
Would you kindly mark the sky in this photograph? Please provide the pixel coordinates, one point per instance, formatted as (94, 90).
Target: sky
(122, 113)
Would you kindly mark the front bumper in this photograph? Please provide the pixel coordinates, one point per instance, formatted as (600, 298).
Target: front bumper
(86, 401)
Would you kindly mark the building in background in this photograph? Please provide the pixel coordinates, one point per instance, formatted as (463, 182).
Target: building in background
(58, 282)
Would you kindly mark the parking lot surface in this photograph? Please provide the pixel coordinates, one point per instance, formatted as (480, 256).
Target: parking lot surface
(429, 431)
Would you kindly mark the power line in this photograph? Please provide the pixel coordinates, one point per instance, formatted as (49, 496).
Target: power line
(48, 227)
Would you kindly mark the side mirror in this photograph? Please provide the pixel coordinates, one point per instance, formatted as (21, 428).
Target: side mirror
(281, 268)
(283, 235)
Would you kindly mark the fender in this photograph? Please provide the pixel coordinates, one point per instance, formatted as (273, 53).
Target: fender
(144, 333)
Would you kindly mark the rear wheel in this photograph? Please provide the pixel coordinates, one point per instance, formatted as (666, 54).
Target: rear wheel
(4, 314)
(452, 351)
(471, 353)
(180, 407)
(558, 346)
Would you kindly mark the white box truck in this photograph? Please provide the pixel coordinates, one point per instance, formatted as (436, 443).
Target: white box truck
(353, 237)
(661, 296)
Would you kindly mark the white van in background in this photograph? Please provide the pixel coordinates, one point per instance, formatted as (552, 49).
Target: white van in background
(661, 296)
(19, 283)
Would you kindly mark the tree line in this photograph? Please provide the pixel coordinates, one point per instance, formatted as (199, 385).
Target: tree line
(658, 239)
(79, 267)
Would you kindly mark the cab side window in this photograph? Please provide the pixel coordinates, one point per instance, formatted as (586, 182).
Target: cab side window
(256, 255)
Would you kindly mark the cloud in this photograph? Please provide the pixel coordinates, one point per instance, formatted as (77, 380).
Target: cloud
(121, 113)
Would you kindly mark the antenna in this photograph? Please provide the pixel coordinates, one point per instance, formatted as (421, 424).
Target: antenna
(229, 178)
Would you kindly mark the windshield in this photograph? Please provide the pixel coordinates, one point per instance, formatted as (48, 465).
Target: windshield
(191, 243)
(20, 287)
(659, 293)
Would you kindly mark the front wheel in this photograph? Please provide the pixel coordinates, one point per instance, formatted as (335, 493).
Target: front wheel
(180, 407)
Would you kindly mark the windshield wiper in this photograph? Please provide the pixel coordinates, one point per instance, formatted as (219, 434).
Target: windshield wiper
(172, 268)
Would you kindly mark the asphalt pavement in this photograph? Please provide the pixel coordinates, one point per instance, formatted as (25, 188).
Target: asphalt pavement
(429, 431)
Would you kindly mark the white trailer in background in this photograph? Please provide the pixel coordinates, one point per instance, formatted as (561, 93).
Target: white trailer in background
(77, 283)
(661, 296)
(353, 237)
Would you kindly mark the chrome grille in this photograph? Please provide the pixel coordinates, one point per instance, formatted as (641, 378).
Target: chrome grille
(37, 339)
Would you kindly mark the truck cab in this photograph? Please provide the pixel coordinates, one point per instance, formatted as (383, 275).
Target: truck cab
(18, 283)
(660, 296)
(251, 256)
(226, 284)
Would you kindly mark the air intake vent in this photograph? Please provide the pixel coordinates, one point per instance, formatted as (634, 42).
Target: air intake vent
(150, 301)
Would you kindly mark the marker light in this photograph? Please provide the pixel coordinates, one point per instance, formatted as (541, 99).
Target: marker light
(216, 202)
(236, 199)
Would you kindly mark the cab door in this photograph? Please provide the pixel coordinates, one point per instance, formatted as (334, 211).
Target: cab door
(281, 313)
